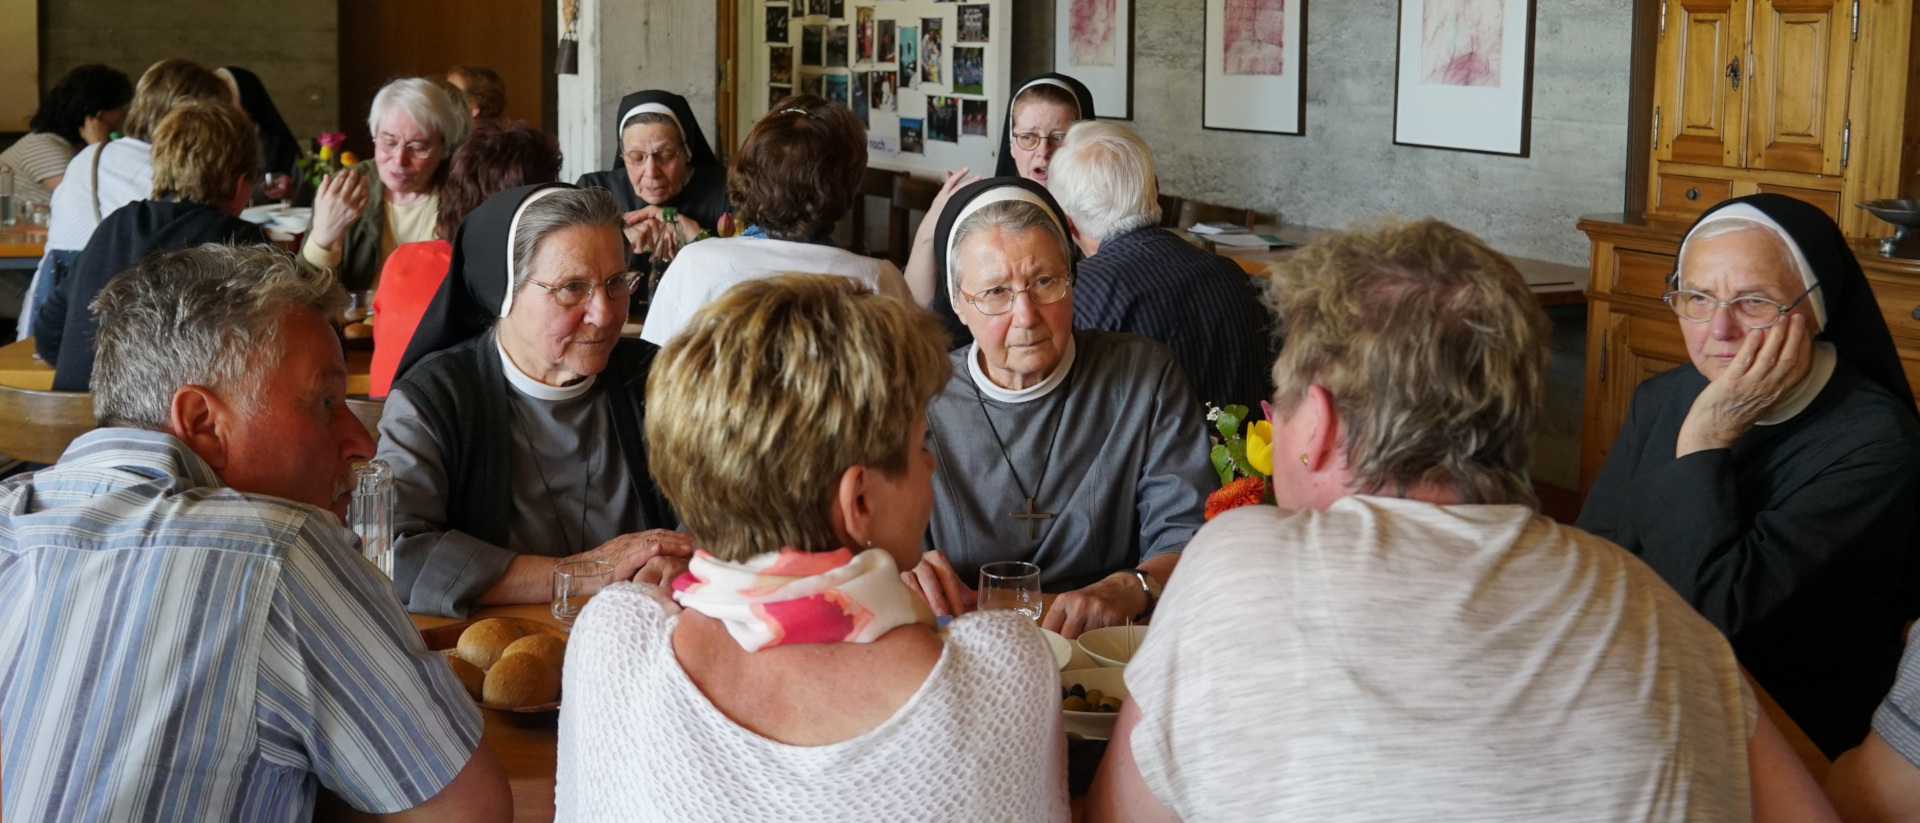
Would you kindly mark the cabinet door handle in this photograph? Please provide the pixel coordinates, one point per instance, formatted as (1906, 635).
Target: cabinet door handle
(1733, 73)
(1915, 314)
(1693, 193)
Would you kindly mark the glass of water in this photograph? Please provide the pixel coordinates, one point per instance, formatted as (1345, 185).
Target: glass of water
(1011, 584)
(574, 582)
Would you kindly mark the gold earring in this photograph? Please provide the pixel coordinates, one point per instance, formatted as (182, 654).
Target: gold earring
(1305, 462)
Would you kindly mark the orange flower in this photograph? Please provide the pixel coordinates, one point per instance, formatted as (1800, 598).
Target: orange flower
(1246, 491)
(348, 160)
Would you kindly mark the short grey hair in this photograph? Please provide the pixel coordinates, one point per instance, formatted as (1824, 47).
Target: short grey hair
(429, 105)
(208, 316)
(564, 209)
(1103, 178)
(653, 118)
(1012, 217)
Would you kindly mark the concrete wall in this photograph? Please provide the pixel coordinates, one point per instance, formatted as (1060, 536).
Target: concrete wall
(626, 46)
(293, 47)
(1346, 166)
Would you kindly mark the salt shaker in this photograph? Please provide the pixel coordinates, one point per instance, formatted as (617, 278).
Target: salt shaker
(371, 513)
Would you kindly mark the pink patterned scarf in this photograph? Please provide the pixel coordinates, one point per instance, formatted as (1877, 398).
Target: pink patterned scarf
(791, 596)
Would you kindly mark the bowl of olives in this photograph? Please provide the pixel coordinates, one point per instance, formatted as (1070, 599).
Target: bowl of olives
(1090, 700)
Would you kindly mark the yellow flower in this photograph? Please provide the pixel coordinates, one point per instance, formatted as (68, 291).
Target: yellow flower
(1260, 447)
(326, 152)
(348, 159)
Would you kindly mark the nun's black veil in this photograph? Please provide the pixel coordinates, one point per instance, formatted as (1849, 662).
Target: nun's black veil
(942, 304)
(278, 147)
(697, 145)
(471, 294)
(1006, 167)
(1854, 325)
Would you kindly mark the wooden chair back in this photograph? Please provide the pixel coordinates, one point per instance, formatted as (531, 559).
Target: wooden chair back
(368, 409)
(36, 426)
(876, 183)
(1170, 211)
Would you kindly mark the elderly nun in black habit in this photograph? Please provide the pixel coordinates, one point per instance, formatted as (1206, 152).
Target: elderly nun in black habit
(1773, 481)
(664, 162)
(279, 149)
(1084, 452)
(514, 425)
(1044, 107)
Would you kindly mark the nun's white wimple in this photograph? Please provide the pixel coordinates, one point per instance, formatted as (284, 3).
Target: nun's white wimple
(1745, 212)
(1051, 81)
(513, 229)
(994, 196)
(653, 108)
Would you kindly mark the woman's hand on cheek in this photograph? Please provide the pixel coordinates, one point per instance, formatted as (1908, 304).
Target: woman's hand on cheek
(1771, 362)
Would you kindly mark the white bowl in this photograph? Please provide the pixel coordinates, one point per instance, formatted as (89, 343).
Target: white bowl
(1112, 646)
(1094, 725)
(1062, 648)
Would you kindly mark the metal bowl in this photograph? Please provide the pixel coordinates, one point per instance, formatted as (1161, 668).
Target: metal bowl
(1903, 213)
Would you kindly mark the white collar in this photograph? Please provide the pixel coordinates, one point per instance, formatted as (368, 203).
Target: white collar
(525, 384)
(1033, 392)
(1796, 401)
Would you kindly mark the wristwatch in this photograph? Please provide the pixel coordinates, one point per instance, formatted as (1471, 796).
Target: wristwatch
(1149, 585)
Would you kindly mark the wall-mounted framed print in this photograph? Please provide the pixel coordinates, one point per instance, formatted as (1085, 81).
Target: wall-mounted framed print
(1093, 43)
(1465, 75)
(1256, 68)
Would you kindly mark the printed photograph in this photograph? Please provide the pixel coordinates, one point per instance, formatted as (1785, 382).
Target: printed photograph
(863, 34)
(973, 23)
(837, 9)
(884, 33)
(813, 83)
(837, 88)
(857, 95)
(910, 141)
(1090, 32)
(973, 118)
(780, 64)
(775, 94)
(881, 91)
(837, 46)
(909, 57)
(1460, 42)
(811, 38)
(943, 119)
(1255, 37)
(969, 63)
(776, 24)
(930, 50)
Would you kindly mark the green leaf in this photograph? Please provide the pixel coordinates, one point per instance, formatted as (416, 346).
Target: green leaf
(1229, 422)
(1223, 463)
(1237, 450)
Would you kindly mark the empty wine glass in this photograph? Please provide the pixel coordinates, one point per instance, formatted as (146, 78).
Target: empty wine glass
(574, 582)
(1011, 584)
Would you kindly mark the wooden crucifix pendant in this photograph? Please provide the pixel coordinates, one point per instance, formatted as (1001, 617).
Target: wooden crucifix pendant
(1030, 516)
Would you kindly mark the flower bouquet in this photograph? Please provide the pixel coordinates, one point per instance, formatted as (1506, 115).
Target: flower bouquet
(316, 165)
(1244, 463)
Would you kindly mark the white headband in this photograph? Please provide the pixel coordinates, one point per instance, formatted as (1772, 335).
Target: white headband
(992, 196)
(1745, 212)
(1051, 81)
(653, 108)
(513, 229)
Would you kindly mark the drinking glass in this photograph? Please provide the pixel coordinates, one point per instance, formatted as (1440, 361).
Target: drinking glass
(1011, 584)
(370, 515)
(359, 306)
(574, 582)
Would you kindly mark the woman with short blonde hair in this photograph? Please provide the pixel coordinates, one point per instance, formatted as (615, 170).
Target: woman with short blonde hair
(797, 678)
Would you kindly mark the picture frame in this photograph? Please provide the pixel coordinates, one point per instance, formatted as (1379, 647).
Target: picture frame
(1255, 73)
(1093, 42)
(1464, 76)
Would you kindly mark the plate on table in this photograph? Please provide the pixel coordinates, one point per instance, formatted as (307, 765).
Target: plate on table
(445, 638)
(1062, 648)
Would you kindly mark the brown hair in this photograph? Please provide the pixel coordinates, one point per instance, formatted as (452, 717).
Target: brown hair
(1045, 93)
(1432, 347)
(484, 89)
(493, 159)
(772, 392)
(201, 149)
(799, 168)
(165, 86)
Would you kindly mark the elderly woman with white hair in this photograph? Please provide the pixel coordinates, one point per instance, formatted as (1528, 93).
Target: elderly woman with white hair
(514, 425)
(1083, 452)
(1773, 480)
(358, 219)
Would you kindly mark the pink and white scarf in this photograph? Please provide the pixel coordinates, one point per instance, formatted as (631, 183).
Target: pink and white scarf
(791, 596)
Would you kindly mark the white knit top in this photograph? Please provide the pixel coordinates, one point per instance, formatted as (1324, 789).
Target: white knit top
(980, 740)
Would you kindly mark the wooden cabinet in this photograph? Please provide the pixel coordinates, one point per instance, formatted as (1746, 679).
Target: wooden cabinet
(1807, 98)
(1632, 335)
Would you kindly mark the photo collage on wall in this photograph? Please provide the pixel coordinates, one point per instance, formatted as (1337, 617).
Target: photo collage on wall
(914, 71)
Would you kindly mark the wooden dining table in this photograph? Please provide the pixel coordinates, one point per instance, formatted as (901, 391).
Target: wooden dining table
(1554, 284)
(21, 369)
(22, 246)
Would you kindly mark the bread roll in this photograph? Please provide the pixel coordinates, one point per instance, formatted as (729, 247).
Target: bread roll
(521, 679)
(483, 642)
(551, 649)
(470, 675)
